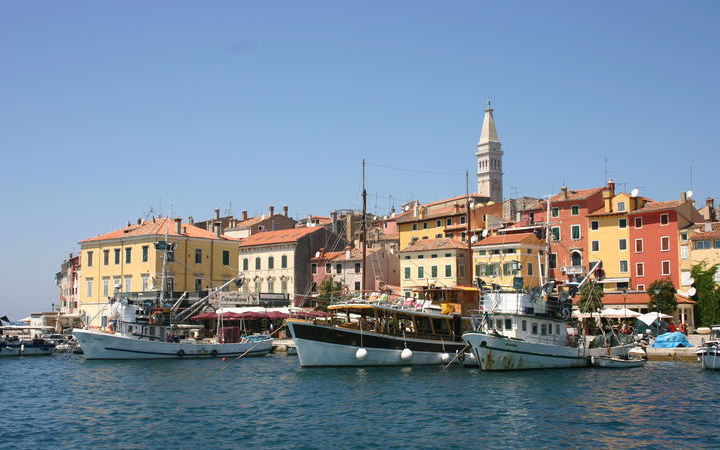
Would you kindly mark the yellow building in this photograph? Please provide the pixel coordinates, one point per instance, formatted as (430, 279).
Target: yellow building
(706, 247)
(433, 262)
(609, 238)
(501, 258)
(126, 261)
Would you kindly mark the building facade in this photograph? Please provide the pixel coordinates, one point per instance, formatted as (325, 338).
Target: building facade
(489, 160)
(438, 262)
(503, 258)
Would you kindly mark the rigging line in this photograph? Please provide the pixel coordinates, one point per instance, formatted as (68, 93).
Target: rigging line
(414, 170)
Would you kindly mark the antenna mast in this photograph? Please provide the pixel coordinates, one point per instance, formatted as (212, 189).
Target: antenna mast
(364, 231)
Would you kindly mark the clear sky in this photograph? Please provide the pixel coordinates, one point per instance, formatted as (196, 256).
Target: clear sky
(111, 109)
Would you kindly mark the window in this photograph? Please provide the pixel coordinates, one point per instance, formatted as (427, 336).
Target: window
(271, 262)
(313, 268)
(640, 287)
(257, 263)
(462, 236)
(407, 273)
(438, 223)
(421, 256)
(357, 267)
(576, 259)
(434, 271)
(664, 219)
(555, 212)
(684, 254)
(621, 206)
(552, 260)
(529, 268)
(665, 267)
(89, 259)
(338, 268)
(524, 325)
(128, 283)
(198, 284)
(128, 255)
(543, 329)
(640, 269)
(575, 210)
(638, 222)
(258, 286)
(198, 256)
(434, 255)
(623, 266)
(448, 222)
(328, 268)
(106, 257)
(283, 262)
(703, 245)
(716, 243)
(479, 268)
(575, 232)
(462, 219)
(106, 286)
(508, 324)
(482, 252)
(117, 256)
(421, 272)
(448, 255)
(170, 284)
(595, 246)
(357, 285)
(683, 237)
(622, 223)
(594, 225)
(498, 324)
(144, 253)
(556, 233)
(313, 287)
(622, 244)
(438, 236)
(144, 281)
(425, 225)
(638, 245)
(448, 270)
(534, 328)
(414, 227)
(226, 257)
(246, 263)
(171, 255)
(529, 251)
(665, 244)
(283, 284)
(271, 286)
(507, 268)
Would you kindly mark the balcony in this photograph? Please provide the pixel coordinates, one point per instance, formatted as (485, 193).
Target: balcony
(574, 271)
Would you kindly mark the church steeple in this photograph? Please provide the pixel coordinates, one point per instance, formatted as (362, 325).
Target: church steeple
(489, 155)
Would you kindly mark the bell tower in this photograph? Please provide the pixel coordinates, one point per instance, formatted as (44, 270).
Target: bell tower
(489, 154)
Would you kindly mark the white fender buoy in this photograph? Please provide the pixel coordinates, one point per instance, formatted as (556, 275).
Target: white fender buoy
(406, 354)
(361, 353)
(445, 357)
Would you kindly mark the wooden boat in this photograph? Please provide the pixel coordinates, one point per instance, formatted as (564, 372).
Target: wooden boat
(614, 362)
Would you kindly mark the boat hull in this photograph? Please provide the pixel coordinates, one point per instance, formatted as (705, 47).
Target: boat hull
(325, 345)
(617, 363)
(495, 352)
(709, 357)
(98, 345)
(26, 349)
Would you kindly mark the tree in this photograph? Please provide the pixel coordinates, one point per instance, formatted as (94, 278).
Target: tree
(707, 295)
(328, 287)
(591, 295)
(664, 298)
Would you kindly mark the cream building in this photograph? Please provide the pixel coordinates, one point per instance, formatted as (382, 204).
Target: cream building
(433, 262)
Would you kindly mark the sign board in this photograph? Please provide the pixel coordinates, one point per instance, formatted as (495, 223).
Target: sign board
(517, 283)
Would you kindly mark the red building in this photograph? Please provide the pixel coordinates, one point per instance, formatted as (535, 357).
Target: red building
(654, 236)
(568, 225)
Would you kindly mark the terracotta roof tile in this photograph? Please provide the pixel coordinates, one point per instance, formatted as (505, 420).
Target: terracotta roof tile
(435, 244)
(278, 236)
(158, 227)
(575, 195)
(326, 256)
(512, 238)
(657, 206)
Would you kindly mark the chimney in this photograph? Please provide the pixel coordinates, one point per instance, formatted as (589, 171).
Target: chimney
(178, 224)
(217, 226)
(683, 196)
(128, 223)
(415, 210)
(244, 215)
(349, 228)
(348, 252)
(333, 221)
(139, 221)
(611, 186)
(272, 211)
(708, 227)
(191, 220)
(607, 194)
(285, 211)
(564, 192)
(217, 214)
(710, 202)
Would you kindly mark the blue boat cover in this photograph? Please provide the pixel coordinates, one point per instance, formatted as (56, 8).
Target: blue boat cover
(671, 340)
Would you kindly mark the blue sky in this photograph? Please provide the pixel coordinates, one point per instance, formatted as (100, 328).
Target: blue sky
(109, 109)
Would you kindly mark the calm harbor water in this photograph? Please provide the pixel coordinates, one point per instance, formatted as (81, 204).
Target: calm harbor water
(67, 402)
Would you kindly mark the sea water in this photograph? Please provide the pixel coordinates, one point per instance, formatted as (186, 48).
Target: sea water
(270, 402)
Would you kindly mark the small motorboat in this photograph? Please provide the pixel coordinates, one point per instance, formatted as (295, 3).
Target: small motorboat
(709, 352)
(615, 362)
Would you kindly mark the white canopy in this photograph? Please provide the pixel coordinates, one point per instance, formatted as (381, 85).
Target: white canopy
(650, 318)
(608, 313)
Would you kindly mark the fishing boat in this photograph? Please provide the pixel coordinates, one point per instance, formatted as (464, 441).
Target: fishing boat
(381, 331)
(616, 362)
(24, 340)
(709, 352)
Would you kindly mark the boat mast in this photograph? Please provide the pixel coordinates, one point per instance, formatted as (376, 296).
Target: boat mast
(469, 228)
(162, 278)
(547, 241)
(364, 231)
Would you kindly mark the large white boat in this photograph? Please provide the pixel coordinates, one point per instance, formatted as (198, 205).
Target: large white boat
(383, 332)
(709, 352)
(163, 335)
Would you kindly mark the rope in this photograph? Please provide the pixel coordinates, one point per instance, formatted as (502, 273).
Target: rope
(248, 350)
(456, 356)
